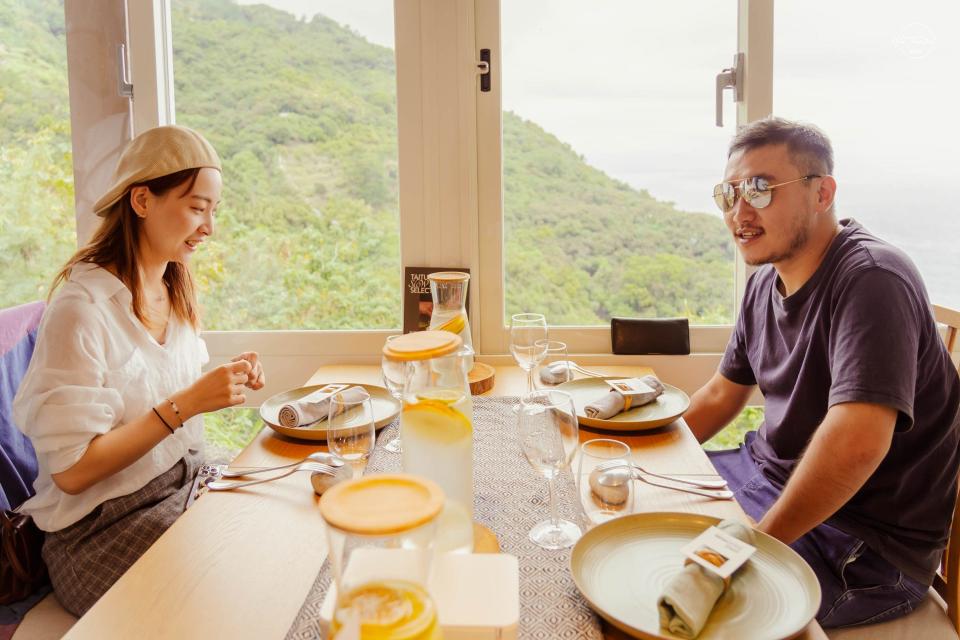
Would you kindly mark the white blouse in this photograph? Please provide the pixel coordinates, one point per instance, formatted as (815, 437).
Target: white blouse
(95, 367)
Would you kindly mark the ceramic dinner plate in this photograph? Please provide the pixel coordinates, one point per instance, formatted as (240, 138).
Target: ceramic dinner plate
(668, 407)
(385, 409)
(622, 565)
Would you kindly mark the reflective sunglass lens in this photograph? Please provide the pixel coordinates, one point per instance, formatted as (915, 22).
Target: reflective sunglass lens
(757, 191)
(719, 197)
(759, 199)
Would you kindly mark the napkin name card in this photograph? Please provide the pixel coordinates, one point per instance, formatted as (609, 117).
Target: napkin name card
(634, 391)
(477, 594)
(324, 393)
(718, 552)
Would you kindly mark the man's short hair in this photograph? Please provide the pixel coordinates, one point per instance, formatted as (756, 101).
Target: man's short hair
(808, 146)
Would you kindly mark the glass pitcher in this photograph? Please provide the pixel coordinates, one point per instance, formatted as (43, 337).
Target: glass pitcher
(437, 426)
(449, 291)
(381, 530)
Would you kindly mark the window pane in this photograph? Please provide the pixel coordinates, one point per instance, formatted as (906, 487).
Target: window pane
(303, 114)
(610, 157)
(37, 224)
(884, 93)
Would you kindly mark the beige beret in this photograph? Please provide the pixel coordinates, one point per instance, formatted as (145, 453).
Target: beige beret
(155, 153)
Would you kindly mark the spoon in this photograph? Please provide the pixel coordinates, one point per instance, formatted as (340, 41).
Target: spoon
(611, 485)
(638, 470)
(317, 456)
(337, 474)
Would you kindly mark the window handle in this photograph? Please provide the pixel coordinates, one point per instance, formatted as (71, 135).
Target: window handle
(732, 78)
(124, 88)
(483, 68)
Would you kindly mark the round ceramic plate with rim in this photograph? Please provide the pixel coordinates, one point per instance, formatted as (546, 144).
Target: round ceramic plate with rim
(622, 566)
(668, 407)
(385, 409)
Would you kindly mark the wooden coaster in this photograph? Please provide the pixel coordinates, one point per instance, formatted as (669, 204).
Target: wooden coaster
(484, 540)
(481, 378)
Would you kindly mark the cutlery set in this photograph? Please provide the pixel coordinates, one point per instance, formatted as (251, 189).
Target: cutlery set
(325, 470)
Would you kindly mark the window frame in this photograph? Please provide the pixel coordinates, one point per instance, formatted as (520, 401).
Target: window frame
(754, 39)
(450, 162)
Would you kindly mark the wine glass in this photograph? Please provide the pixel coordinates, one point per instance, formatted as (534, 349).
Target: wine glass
(528, 336)
(351, 430)
(547, 425)
(554, 368)
(393, 377)
(601, 504)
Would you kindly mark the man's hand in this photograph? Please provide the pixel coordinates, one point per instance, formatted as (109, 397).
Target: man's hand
(845, 450)
(256, 378)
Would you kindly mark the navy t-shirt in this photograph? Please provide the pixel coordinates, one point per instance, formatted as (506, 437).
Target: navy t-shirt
(859, 330)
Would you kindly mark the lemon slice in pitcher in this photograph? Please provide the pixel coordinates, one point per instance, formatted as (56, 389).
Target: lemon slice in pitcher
(453, 325)
(434, 417)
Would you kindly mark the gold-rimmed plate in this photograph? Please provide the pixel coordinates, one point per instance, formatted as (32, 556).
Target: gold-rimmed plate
(668, 407)
(622, 566)
(385, 409)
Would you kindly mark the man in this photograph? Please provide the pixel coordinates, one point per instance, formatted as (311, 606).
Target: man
(856, 463)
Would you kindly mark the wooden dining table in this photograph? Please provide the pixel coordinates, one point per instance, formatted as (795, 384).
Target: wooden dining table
(239, 564)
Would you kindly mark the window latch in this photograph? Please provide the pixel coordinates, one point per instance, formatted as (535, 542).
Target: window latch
(483, 68)
(124, 88)
(730, 78)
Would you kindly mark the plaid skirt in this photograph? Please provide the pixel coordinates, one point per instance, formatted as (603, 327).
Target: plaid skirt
(86, 558)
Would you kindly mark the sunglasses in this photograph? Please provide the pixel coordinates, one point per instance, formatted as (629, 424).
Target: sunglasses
(756, 191)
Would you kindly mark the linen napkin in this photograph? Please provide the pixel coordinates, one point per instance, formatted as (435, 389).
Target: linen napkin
(689, 597)
(308, 409)
(613, 403)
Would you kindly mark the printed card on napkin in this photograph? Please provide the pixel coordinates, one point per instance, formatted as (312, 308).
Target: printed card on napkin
(719, 552)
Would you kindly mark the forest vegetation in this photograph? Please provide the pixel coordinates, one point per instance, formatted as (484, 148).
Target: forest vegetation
(303, 114)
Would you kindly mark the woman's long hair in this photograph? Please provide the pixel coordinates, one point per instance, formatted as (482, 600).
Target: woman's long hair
(116, 244)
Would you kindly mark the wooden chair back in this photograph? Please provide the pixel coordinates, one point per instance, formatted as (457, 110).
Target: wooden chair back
(946, 582)
(951, 319)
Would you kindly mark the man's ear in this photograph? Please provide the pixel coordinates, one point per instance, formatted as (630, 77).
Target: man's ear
(139, 197)
(826, 193)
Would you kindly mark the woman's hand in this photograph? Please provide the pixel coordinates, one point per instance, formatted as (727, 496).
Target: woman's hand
(255, 379)
(216, 389)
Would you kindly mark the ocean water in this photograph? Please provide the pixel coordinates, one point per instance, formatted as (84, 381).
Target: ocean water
(927, 232)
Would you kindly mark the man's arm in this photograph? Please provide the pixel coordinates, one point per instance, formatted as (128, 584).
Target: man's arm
(715, 405)
(845, 450)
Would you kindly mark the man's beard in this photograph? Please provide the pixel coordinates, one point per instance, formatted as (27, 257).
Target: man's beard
(800, 236)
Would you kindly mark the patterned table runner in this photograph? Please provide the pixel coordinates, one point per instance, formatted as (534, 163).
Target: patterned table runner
(510, 497)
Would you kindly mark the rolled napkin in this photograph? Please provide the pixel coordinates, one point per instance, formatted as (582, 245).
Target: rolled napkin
(315, 406)
(555, 373)
(614, 402)
(689, 597)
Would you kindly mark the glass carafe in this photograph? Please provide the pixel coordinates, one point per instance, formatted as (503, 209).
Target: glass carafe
(381, 530)
(449, 291)
(437, 426)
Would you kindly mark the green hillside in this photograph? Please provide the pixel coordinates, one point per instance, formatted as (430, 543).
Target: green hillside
(303, 114)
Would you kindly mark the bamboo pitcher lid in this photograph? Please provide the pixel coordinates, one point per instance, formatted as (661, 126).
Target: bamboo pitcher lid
(422, 345)
(382, 504)
(448, 276)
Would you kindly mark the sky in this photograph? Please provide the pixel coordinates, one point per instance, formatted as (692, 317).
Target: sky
(630, 86)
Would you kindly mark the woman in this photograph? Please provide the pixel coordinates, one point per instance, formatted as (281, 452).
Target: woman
(113, 397)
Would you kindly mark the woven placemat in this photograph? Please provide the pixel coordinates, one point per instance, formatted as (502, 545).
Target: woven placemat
(510, 498)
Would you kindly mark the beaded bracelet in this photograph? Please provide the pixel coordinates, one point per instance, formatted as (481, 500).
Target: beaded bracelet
(165, 423)
(176, 410)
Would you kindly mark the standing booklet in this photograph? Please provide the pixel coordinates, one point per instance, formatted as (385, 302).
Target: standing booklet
(417, 301)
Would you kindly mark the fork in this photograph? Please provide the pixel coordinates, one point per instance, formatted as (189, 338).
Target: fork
(317, 456)
(638, 470)
(724, 494)
(309, 465)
